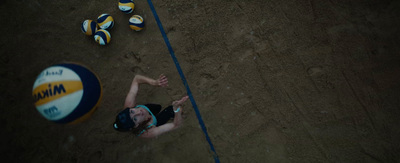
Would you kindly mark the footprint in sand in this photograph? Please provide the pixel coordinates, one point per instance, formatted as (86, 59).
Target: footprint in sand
(96, 156)
(137, 69)
(132, 57)
(175, 93)
(313, 71)
(321, 79)
(212, 97)
(208, 88)
(69, 142)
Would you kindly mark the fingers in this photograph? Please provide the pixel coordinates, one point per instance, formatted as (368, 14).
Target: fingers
(184, 98)
(163, 80)
(181, 101)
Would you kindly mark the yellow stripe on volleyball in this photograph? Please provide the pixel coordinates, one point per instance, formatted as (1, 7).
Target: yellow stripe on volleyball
(89, 31)
(51, 91)
(88, 28)
(108, 19)
(108, 37)
(98, 39)
(131, 5)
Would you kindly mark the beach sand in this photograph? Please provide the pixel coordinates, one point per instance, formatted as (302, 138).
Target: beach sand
(274, 81)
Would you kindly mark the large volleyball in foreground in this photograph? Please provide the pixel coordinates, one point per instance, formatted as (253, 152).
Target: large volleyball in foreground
(67, 93)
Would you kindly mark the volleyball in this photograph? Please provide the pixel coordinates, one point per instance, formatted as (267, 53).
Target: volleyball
(136, 23)
(67, 93)
(126, 6)
(105, 21)
(89, 27)
(102, 37)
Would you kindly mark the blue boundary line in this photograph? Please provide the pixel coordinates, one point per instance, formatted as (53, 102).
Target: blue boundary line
(171, 51)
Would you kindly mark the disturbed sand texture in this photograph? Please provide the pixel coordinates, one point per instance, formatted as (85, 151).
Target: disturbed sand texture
(275, 81)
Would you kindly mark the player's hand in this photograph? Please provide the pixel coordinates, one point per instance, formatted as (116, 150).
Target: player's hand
(162, 81)
(177, 104)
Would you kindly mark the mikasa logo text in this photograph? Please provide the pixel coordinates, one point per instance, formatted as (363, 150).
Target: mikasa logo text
(49, 92)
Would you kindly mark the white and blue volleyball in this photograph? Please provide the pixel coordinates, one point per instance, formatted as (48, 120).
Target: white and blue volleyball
(136, 23)
(67, 93)
(89, 27)
(126, 6)
(105, 21)
(102, 37)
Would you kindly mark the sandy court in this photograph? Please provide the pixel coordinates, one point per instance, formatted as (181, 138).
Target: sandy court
(275, 81)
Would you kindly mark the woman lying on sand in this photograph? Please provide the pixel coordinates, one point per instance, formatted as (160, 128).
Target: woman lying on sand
(148, 121)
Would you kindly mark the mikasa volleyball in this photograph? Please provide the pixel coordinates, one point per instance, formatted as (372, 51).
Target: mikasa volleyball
(126, 6)
(67, 93)
(136, 23)
(89, 27)
(105, 21)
